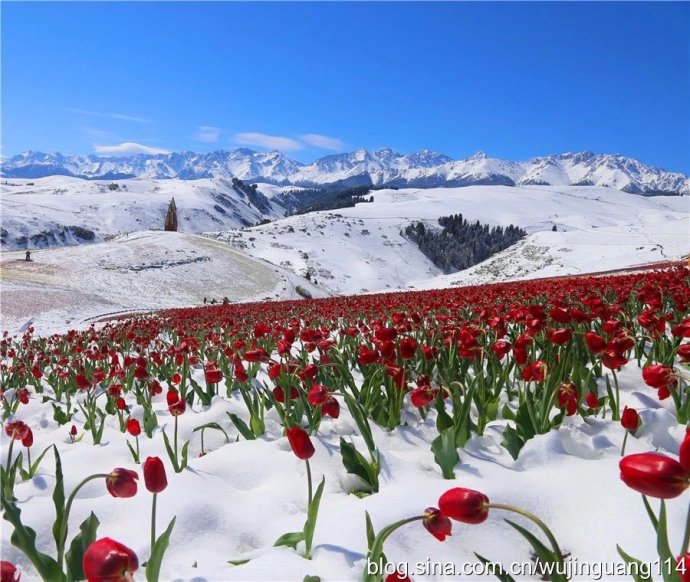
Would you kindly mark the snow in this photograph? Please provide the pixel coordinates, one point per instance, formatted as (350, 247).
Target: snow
(354, 250)
(68, 287)
(234, 502)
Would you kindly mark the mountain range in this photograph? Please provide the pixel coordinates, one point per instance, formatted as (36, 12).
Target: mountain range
(383, 167)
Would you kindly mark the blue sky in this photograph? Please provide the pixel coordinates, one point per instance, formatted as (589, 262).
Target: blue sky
(512, 79)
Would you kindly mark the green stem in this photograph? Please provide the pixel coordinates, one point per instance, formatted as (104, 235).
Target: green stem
(9, 457)
(625, 439)
(533, 518)
(176, 440)
(28, 456)
(309, 484)
(68, 508)
(153, 521)
(136, 438)
(685, 548)
(376, 550)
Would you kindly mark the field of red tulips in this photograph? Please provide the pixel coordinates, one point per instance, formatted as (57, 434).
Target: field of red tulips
(306, 439)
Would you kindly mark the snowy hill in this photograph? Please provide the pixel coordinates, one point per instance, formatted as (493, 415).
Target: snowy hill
(62, 288)
(61, 210)
(362, 167)
(361, 249)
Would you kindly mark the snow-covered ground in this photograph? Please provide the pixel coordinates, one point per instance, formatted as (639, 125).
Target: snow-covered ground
(46, 206)
(234, 502)
(63, 288)
(353, 250)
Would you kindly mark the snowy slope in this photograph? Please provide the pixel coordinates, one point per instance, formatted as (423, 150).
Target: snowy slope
(62, 288)
(360, 249)
(379, 167)
(46, 208)
(234, 502)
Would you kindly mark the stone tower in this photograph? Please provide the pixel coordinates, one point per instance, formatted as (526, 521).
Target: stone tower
(171, 217)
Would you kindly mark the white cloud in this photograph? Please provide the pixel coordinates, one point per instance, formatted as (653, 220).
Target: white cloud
(274, 142)
(127, 148)
(119, 116)
(323, 141)
(207, 134)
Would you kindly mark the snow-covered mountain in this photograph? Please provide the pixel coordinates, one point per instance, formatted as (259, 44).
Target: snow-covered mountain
(423, 169)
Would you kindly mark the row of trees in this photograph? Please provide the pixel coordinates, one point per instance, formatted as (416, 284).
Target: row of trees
(461, 244)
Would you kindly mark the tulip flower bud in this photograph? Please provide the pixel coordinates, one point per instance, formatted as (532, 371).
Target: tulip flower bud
(133, 427)
(630, 420)
(8, 572)
(154, 475)
(122, 483)
(437, 524)
(300, 443)
(17, 430)
(465, 505)
(108, 560)
(657, 376)
(28, 440)
(654, 475)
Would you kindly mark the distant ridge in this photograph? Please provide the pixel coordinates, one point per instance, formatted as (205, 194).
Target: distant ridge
(423, 169)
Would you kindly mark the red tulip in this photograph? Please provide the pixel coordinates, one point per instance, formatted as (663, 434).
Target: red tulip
(534, 372)
(73, 430)
(592, 400)
(568, 395)
(28, 440)
(437, 524)
(561, 336)
(684, 452)
(122, 482)
(465, 505)
(154, 475)
(331, 408)
(595, 343)
(683, 567)
(133, 427)
(106, 560)
(172, 397)
(212, 374)
(9, 572)
(318, 394)
(257, 355)
(82, 382)
(398, 576)
(300, 442)
(655, 475)
(501, 348)
(630, 420)
(17, 430)
(178, 407)
(684, 353)
(408, 347)
(657, 376)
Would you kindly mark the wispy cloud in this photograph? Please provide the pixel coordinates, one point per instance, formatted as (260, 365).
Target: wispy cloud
(322, 141)
(94, 132)
(274, 142)
(127, 148)
(120, 116)
(207, 134)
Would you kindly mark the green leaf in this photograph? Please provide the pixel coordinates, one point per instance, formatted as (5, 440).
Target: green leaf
(59, 502)
(239, 562)
(371, 534)
(75, 554)
(311, 579)
(257, 425)
(290, 539)
(445, 452)
(356, 464)
(185, 451)
(639, 566)
(443, 419)
(153, 566)
(663, 548)
(501, 574)
(134, 453)
(242, 427)
(150, 422)
(24, 538)
(545, 554)
(650, 512)
(215, 426)
(171, 453)
(37, 462)
(361, 420)
(312, 514)
(512, 442)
